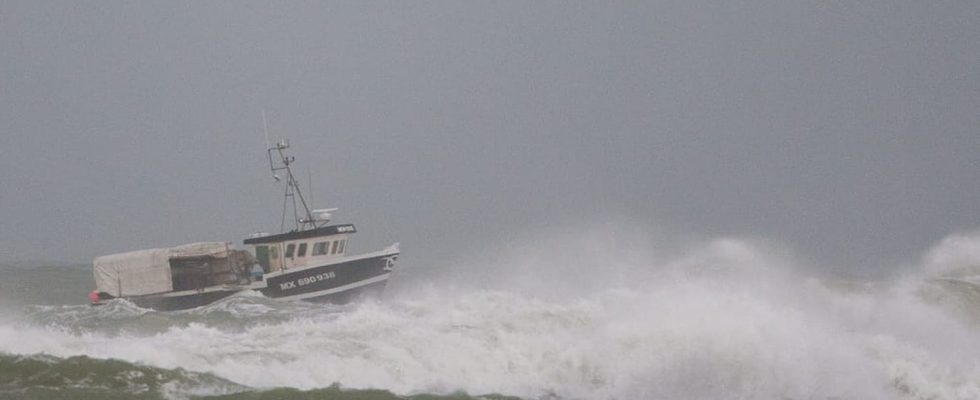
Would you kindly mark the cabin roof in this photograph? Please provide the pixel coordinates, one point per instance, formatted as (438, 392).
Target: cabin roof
(309, 233)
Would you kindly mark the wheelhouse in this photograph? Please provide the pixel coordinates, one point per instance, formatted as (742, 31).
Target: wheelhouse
(299, 249)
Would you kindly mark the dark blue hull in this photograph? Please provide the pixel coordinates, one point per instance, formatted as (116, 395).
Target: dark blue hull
(338, 282)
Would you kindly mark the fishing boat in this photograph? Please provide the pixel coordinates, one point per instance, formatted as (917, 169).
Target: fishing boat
(311, 262)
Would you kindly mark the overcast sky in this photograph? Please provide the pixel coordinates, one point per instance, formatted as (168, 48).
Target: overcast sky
(848, 131)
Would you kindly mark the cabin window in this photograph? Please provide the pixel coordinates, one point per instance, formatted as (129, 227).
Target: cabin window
(290, 249)
(342, 244)
(301, 252)
(320, 249)
(335, 244)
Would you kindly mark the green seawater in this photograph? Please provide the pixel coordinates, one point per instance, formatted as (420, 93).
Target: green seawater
(82, 378)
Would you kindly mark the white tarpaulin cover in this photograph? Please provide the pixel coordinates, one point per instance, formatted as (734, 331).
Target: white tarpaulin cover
(203, 249)
(147, 271)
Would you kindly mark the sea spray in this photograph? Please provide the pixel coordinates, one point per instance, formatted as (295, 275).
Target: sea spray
(724, 319)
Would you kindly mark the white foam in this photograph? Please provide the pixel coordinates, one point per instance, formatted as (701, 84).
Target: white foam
(725, 320)
(957, 255)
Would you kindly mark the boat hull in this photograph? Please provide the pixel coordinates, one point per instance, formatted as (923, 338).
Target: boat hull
(336, 282)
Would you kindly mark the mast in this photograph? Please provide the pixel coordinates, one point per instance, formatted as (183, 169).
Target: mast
(301, 211)
(302, 215)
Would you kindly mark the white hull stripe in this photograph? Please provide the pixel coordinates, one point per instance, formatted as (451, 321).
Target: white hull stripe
(216, 288)
(338, 289)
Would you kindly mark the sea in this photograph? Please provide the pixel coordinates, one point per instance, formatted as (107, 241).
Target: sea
(561, 317)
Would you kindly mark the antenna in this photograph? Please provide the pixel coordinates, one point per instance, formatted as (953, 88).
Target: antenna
(265, 125)
(309, 180)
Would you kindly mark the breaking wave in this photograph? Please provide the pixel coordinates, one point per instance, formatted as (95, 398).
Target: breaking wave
(723, 319)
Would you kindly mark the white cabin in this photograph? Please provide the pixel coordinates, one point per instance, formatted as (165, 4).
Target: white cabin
(301, 248)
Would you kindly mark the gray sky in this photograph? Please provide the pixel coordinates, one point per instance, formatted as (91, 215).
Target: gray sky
(849, 131)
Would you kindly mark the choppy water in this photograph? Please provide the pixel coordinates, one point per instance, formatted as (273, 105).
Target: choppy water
(723, 319)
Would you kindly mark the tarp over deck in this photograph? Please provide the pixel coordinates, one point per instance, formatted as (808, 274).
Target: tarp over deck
(144, 272)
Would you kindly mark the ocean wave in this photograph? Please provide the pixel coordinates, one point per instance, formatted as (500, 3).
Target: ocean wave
(727, 319)
(81, 377)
